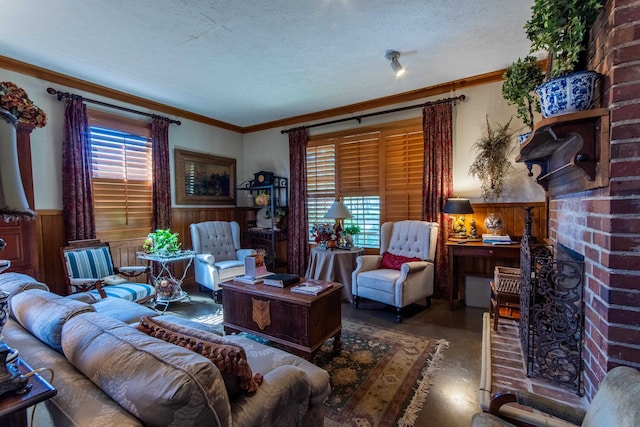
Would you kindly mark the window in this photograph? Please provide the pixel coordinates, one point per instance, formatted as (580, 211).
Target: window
(121, 176)
(376, 172)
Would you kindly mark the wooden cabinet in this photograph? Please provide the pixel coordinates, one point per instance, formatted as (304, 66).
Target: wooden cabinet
(264, 233)
(572, 151)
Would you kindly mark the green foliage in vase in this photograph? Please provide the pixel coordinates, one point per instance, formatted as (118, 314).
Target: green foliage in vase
(560, 27)
(351, 230)
(162, 242)
(492, 163)
(518, 88)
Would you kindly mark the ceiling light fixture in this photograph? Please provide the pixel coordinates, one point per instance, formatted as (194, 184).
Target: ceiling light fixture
(393, 55)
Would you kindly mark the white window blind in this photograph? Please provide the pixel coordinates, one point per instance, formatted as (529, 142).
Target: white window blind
(121, 176)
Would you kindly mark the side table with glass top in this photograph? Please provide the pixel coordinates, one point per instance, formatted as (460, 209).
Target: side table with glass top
(168, 287)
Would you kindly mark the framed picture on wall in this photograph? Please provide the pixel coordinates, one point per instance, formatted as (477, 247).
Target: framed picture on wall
(204, 179)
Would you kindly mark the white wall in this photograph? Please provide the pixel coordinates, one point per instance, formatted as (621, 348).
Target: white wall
(46, 142)
(268, 150)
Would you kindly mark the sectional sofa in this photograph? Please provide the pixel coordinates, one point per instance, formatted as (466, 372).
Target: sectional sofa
(111, 369)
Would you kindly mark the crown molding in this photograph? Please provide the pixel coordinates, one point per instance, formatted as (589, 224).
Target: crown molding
(62, 79)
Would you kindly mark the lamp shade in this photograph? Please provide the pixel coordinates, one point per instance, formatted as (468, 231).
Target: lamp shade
(13, 201)
(338, 211)
(458, 206)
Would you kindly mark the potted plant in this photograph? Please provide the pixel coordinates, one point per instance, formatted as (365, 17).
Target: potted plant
(162, 242)
(350, 231)
(519, 86)
(492, 163)
(561, 28)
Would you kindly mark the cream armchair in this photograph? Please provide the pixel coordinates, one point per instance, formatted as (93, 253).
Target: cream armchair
(218, 253)
(403, 273)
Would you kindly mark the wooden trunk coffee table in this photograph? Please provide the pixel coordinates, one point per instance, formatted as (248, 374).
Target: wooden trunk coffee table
(302, 323)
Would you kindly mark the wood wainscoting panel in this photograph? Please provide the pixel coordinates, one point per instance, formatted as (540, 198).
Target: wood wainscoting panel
(513, 215)
(50, 226)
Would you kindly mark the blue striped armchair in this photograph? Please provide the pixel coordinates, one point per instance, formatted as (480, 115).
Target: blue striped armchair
(89, 268)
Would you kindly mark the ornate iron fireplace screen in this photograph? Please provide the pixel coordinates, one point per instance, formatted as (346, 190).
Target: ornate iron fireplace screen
(551, 312)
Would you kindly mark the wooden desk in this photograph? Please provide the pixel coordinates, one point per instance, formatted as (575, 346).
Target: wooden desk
(13, 407)
(490, 255)
(300, 322)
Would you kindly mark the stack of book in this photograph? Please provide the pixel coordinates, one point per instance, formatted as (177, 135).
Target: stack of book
(311, 287)
(252, 280)
(497, 240)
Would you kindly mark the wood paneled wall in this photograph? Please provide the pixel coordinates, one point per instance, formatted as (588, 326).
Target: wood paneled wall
(50, 232)
(513, 215)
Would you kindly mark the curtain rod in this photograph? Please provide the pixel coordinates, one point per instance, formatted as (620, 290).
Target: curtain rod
(395, 110)
(65, 95)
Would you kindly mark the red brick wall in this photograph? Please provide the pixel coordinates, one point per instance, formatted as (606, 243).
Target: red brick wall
(604, 224)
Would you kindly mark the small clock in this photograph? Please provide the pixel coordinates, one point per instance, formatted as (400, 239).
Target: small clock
(263, 178)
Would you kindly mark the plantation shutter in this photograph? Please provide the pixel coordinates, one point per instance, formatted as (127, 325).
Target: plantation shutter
(321, 181)
(403, 158)
(358, 165)
(121, 176)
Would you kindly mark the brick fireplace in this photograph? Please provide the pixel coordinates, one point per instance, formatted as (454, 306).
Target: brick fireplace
(604, 224)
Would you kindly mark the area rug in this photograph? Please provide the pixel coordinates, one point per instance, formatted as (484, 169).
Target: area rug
(381, 377)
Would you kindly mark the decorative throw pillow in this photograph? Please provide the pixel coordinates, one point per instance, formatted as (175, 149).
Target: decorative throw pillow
(229, 358)
(394, 262)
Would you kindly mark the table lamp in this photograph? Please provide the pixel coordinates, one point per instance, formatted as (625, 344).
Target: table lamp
(339, 212)
(458, 207)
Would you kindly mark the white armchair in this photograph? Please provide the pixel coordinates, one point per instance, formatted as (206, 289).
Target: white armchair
(403, 273)
(218, 253)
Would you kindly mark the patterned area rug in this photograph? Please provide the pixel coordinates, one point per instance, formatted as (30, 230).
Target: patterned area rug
(380, 378)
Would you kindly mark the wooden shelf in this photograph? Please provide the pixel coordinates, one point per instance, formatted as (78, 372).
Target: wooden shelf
(572, 151)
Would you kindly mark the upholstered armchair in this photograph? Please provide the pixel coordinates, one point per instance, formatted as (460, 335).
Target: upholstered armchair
(614, 404)
(403, 273)
(218, 253)
(89, 268)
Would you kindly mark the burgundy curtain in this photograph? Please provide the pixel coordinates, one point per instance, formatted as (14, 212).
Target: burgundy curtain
(438, 181)
(77, 197)
(298, 252)
(161, 173)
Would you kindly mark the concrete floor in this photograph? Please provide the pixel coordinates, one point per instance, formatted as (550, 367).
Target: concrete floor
(453, 397)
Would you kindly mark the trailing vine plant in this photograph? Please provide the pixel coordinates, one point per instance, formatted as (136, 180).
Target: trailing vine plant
(492, 163)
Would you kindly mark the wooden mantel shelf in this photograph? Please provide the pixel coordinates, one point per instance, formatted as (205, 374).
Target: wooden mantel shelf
(572, 151)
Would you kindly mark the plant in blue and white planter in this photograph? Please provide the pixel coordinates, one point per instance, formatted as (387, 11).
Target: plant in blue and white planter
(561, 28)
(567, 94)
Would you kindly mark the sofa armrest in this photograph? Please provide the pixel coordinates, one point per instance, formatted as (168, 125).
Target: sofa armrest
(413, 266)
(549, 406)
(84, 284)
(206, 259)
(282, 399)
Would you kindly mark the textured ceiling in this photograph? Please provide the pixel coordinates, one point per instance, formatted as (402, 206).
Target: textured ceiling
(247, 62)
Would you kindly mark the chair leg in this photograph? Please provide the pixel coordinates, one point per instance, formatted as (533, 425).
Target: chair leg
(217, 296)
(399, 314)
(356, 301)
(428, 302)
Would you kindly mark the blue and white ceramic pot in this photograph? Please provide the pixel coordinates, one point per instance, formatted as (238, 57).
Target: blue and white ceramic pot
(523, 137)
(567, 94)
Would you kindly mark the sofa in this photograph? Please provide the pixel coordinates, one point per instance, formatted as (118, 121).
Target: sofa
(118, 363)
